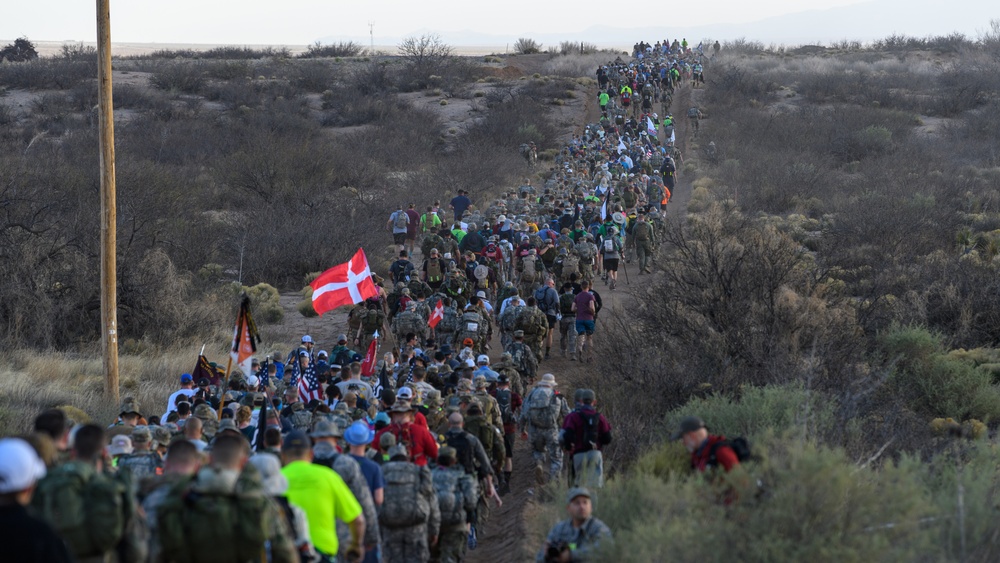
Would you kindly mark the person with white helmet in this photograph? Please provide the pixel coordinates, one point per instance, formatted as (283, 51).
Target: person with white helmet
(25, 538)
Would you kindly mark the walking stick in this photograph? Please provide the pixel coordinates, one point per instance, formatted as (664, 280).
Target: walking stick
(625, 269)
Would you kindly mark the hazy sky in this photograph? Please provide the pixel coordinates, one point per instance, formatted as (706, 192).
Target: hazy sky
(299, 22)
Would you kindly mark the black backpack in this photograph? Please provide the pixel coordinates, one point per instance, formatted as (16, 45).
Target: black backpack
(740, 446)
(503, 400)
(465, 456)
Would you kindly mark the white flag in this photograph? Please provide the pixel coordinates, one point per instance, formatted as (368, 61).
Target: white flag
(650, 128)
(621, 146)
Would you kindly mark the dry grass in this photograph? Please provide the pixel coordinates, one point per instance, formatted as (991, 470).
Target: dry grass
(31, 382)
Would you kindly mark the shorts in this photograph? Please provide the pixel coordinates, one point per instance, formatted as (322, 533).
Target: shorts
(611, 264)
(585, 327)
(398, 238)
(553, 320)
(411, 236)
(508, 444)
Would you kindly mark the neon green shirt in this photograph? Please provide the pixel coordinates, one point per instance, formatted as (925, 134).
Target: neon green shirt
(324, 497)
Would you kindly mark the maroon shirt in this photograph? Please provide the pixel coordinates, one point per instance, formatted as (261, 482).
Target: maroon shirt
(411, 228)
(583, 300)
(575, 426)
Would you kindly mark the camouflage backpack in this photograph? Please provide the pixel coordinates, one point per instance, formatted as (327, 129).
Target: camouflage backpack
(89, 510)
(449, 321)
(543, 408)
(570, 266)
(358, 314)
(405, 504)
(452, 487)
(419, 289)
(469, 326)
(508, 320)
(197, 526)
(372, 320)
(301, 418)
(532, 321)
(566, 304)
(529, 268)
(410, 321)
(431, 241)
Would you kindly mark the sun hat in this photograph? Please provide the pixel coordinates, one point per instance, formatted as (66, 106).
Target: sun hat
(358, 434)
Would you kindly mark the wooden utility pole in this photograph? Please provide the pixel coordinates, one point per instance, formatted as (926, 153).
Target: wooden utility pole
(109, 278)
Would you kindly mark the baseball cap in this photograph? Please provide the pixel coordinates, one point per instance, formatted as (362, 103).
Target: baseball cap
(307, 339)
(688, 424)
(404, 393)
(296, 439)
(483, 359)
(577, 492)
(303, 353)
(204, 382)
(20, 466)
(382, 417)
(186, 378)
(120, 445)
(342, 338)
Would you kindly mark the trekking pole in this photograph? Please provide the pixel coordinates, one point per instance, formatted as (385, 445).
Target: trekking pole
(625, 269)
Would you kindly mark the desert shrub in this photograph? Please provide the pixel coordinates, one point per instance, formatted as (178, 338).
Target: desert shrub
(935, 383)
(872, 141)
(244, 53)
(527, 46)
(7, 116)
(181, 77)
(265, 302)
(47, 73)
(339, 49)
(759, 410)
(732, 84)
(423, 56)
(314, 76)
(21, 50)
(813, 503)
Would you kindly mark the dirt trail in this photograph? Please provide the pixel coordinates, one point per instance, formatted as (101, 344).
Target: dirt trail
(504, 536)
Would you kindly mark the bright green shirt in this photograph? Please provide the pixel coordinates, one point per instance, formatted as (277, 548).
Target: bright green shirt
(459, 234)
(324, 497)
(429, 221)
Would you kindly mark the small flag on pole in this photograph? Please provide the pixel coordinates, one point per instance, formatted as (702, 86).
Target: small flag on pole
(245, 338)
(650, 128)
(436, 315)
(371, 357)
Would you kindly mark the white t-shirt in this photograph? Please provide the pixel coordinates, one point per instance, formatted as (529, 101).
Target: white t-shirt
(362, 389)
(172, 401)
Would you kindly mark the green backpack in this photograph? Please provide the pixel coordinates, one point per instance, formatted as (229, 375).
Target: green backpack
(86, 508)
(405, 505)
(212, 527)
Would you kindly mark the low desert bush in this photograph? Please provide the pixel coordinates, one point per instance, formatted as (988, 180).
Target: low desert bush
(527, 46)
(339, 49)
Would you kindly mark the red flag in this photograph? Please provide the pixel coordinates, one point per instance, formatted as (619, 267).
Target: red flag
(436, 315)
(371, 358)
(344, 284)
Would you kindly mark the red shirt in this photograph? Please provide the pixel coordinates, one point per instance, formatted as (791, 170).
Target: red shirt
(724, 455)
(418, 440)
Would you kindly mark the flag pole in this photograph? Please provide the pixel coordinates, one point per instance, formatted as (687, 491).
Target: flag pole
(225, 385)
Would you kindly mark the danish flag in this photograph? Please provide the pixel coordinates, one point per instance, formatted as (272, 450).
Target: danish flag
(436, 315)
(344, 284)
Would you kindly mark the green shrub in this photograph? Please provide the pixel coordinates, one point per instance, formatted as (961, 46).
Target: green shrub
(935, 383)
(266, 303)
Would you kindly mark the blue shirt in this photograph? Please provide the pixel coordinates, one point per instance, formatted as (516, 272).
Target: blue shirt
(372, 472)
(460, 204)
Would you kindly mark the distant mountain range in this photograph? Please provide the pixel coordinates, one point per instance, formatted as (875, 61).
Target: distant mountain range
(864, 22)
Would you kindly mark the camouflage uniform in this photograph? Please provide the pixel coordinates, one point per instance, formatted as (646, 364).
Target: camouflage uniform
(140, 464)
(643, 248)
(524, 361)
(453, 538)
(507, 367)
(544, 441)
(409, 321)
(411, 543)
(209, 420)
(535, 326)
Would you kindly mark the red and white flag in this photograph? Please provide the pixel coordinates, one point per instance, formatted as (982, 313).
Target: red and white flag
(436, 315)
(344, 284)
(371, 357)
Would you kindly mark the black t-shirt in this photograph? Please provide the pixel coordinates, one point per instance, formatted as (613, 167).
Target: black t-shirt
(27, 539)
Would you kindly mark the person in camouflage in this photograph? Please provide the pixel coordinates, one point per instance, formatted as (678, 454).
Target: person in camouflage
(645, 240)
(540, 420)
(523, 358)
(508, 319)
(372, 319)
(491, 410)
(451, 482)
(507, 367)
(142, 462)
(412, 542)
(535, 326)
(410, 322)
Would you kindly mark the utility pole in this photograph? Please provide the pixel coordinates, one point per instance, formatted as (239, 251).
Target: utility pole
(371, 33)
(109, 278)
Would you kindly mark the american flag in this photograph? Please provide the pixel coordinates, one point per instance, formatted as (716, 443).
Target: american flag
(293, 377)
(308, 385)
(263, 380)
